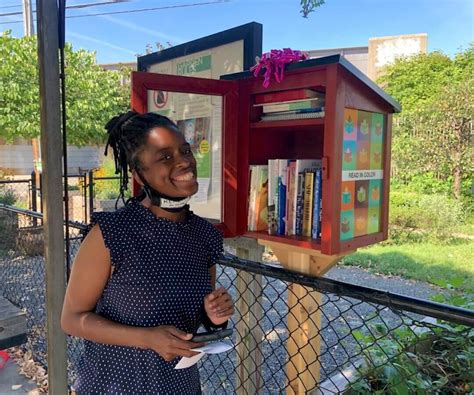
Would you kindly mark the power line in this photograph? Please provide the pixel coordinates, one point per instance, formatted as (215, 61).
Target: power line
(74, 6)
(134, 11)
(10, 6)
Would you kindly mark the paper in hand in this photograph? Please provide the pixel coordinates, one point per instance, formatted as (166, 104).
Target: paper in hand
(211, 348)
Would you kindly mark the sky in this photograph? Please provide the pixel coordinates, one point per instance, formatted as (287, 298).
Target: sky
(338, 23)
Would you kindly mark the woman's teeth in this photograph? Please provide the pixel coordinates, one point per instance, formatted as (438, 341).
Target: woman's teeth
(185, 177)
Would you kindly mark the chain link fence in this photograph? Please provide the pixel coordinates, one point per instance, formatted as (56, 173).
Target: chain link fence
(292, 333)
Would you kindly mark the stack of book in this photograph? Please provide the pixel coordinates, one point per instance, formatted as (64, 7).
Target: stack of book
(292, 190)
(294, 104)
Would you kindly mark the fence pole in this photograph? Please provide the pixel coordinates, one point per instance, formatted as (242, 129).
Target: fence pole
(84, 183)
(48, 59)
(304, 315)
(249, 315)
(91, 194)
(34, 202)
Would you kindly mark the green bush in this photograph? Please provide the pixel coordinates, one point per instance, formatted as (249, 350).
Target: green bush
(438, 359)
(8, 196)
(418, 217)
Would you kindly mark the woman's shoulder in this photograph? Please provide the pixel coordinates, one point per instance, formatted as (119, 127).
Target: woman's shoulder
(206, 228)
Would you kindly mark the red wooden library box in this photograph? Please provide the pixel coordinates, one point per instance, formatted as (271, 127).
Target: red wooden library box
(222, 123)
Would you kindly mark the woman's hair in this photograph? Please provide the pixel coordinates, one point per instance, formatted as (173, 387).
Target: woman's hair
(128, 133)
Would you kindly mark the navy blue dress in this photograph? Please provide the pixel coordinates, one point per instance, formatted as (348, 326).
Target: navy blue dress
(161, 275)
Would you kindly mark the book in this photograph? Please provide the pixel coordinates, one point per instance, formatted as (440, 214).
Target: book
(293, 106)
(258, 198)
(252, 197)
(301, 166)
(316, 229)
(284, 116)
(281, 199)
(299, 205)
(286, 96)
(272, 196)
(308, 203)
(261, 205)
(290, 203)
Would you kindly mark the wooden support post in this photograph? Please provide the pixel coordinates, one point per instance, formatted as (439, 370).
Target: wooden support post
(304, 315)
(249, 314)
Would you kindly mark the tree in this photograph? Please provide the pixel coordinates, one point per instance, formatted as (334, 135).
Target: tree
(433, 134)
(308, 6)
(93, 95)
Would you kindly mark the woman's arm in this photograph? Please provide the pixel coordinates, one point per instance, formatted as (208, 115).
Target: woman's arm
(90, 273)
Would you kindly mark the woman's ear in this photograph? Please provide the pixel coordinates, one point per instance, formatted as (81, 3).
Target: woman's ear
(137, 178)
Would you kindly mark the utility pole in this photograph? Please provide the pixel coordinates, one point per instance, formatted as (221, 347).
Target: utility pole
(50, 106)
(29, 30)
(28, 26)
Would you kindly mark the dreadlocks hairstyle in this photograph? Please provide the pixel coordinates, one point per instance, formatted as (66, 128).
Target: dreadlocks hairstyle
(127, 137)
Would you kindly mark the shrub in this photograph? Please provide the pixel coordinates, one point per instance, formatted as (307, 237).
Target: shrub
(8, 196)
(436, 359)
(419, 217)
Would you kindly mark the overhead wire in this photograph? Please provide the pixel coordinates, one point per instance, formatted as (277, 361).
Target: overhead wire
(132, 11)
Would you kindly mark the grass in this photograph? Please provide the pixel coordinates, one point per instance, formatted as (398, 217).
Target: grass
(425, 261)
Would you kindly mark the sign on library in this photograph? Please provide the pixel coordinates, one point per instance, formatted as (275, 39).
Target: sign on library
(362, 173)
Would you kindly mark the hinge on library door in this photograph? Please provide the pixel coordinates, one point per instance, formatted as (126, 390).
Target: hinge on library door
(325, 168)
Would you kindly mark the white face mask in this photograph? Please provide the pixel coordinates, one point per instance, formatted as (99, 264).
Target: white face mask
(172, 204)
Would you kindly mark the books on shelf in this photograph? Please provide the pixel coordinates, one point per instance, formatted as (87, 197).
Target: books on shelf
(285, 197)
(293, 115)
(301, 166)
(287, 96)
(291, 104)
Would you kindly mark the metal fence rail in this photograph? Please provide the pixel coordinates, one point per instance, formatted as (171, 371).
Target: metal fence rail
(366, 341)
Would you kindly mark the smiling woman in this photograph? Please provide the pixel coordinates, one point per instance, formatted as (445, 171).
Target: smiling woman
(143, 280)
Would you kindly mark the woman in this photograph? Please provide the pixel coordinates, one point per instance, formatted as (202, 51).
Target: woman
(142, 281)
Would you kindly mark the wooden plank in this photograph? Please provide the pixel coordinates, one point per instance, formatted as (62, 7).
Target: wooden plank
(249, 313)
(12, 324)
(304, 315)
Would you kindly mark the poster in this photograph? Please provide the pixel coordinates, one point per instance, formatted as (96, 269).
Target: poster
(362, 173)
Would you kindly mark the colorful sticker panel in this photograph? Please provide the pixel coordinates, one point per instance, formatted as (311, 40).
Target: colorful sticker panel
(350, 125)
(364, 120)
(377, 127)
(375, 193)
(349, 155)
(347, 225)
(347, 195)
(362, 173)
(363, 155)
(376, 155)
(360, 222)
(373, 225)
(362, 194)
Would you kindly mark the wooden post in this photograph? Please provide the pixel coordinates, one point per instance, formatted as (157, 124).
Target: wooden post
(47, 15)
(304, 315)
(249, 313)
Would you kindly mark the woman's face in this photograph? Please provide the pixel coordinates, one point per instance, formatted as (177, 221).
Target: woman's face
(168, 164)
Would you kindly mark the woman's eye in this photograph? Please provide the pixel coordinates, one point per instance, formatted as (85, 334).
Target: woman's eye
(165, 157)
(188, 151)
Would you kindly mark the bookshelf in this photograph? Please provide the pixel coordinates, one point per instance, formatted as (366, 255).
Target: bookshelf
(352, 139)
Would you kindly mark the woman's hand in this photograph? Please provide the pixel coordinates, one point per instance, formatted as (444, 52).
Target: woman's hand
(170, 342)
(219, 306)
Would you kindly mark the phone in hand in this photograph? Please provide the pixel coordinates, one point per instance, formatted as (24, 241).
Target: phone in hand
(204, 337)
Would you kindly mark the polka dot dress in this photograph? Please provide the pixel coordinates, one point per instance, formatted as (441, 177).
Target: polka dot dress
(161, 275)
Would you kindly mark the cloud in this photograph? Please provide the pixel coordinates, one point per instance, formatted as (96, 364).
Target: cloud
(154, 33)
(101, 42)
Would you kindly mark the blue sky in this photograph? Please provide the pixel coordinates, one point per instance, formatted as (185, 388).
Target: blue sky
(338, 23)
